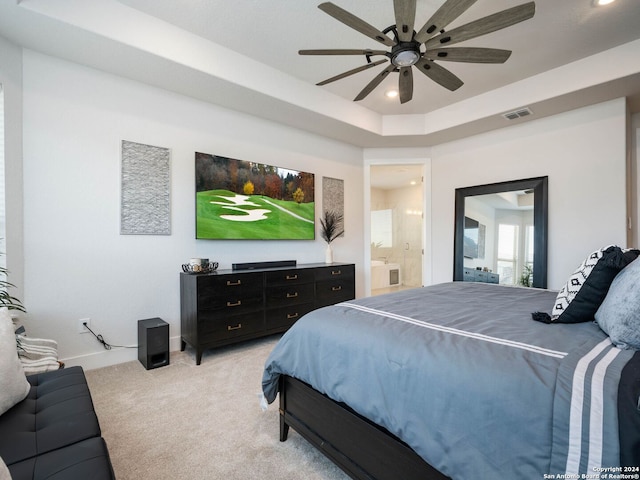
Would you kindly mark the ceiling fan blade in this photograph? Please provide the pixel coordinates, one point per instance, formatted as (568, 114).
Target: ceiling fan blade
(469, 54)
(351, 72)
(446, 14)
(375, 82)
(356, 23)
(336, 51)
(405, 11)
(406, 84)
(439, 74)
(485, 25)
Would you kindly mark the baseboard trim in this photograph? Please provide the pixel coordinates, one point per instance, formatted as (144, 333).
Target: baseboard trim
(116, 355)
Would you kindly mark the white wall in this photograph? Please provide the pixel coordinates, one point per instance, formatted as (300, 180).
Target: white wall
(634, 148)
(11, 80)
(582, 152)
(77, 265)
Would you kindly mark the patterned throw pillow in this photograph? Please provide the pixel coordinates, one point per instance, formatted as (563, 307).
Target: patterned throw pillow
(587, 287)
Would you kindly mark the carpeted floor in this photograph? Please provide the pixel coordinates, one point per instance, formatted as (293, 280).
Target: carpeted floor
(184, 421)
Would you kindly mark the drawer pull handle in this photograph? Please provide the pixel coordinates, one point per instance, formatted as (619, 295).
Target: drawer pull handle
(336, 289)
(237, 327)
(292, 295)
(292, 277)
(237, 304)
(292, 315)
(336, 272)
(233, 284)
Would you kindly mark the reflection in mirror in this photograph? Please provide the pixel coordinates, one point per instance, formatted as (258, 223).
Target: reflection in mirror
(498, 236)
(501, 233)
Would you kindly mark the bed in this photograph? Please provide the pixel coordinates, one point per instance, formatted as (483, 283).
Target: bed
(457, 381)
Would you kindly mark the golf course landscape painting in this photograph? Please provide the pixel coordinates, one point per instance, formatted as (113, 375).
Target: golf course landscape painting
(238, 199)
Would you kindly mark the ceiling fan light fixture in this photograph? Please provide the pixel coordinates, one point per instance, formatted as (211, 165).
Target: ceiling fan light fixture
(391, 93)
(405, 58)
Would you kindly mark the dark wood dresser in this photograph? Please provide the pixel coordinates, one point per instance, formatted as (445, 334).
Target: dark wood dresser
(474, 275)
(229, 306)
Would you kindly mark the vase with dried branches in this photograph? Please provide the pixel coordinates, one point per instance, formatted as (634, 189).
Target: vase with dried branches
(331, 228)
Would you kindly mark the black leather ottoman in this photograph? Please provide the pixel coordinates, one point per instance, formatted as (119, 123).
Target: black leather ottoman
(54, 432)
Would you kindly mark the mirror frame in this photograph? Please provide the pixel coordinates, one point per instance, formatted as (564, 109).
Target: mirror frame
(539, 185)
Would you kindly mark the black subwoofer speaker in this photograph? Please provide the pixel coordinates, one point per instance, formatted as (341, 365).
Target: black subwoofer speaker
(153, 343)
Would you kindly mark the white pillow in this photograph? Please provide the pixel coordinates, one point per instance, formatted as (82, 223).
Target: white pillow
(619, 314)
(4, 471)
(14, 386)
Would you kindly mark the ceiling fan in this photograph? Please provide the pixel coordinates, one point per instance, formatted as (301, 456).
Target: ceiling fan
(422, 48)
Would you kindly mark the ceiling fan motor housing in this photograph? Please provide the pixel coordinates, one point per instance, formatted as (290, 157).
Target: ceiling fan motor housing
(405, 54)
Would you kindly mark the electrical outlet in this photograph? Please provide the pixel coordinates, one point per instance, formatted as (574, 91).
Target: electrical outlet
(81, 327)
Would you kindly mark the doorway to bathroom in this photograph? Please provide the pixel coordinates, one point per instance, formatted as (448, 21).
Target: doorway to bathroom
(397, 227)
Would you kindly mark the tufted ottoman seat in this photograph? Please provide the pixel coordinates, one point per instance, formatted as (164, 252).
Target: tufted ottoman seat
(54, 432)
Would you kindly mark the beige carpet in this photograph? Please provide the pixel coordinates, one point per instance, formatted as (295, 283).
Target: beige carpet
(184, 421)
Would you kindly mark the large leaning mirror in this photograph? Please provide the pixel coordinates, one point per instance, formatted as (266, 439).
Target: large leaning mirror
(501, 233)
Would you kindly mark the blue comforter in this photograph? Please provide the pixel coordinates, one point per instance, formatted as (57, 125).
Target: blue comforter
(463, 375)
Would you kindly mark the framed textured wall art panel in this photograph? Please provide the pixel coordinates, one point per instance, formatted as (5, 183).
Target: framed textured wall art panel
(333, 196)
(145, 198)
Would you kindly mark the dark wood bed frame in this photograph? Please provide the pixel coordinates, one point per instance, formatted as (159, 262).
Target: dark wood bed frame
(361, 448)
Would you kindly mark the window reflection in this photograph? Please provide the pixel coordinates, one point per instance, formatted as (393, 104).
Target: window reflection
(382, 228)
(507, 253)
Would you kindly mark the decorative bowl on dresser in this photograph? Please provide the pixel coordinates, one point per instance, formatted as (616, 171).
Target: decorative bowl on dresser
(230, 306)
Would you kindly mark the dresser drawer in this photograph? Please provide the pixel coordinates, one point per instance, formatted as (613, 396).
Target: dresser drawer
(330, 292)
(289, 294)
(213, 328)
(283, 318)
(335, 272)
(215, 292)
(289, 277)
(469, 274)
(222, 282)
(233, 305)
(481, 276)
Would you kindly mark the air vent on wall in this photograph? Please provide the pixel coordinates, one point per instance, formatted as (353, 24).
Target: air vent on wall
(523, 112)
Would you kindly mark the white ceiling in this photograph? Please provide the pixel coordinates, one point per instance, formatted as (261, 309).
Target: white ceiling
(273, 32)
(243, 55)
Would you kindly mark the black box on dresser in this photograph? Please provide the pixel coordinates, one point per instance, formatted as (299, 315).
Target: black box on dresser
(230, 306)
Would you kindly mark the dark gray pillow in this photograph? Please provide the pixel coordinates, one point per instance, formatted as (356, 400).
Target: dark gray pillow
(619, 314)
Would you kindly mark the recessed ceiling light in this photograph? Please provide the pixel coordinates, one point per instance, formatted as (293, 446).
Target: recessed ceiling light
(599, 3)
(391, 94)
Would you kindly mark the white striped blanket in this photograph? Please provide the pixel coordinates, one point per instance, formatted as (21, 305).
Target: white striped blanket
(38, 355)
